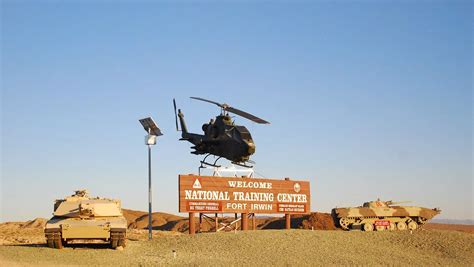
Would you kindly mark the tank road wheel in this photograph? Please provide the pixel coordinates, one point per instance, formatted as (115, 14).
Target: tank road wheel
(401, 226)
(368, 227)
(57, 240)
(344, 223)
(392, 227)
(54, 240)
(113, 241)
(58, 243)
(380, 228)
(117, 239)
(421, 220)
(412, 225)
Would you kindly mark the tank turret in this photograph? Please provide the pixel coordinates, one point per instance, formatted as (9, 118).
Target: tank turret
(378, 203)
(80, 217)
(383, 215)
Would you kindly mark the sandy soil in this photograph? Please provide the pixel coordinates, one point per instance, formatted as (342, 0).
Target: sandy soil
(269, 247)
(451, 227)
(23, 244)
(31, 232)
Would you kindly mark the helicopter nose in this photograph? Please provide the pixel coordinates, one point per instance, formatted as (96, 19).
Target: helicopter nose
(251, 149)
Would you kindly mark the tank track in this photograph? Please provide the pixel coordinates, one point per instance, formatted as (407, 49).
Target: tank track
(366, 223)
(117, 239)
(54, 240)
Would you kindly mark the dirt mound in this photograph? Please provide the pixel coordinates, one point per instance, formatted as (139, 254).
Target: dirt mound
(319, 221)
(37, 223)
(160, 221)
(30, 232)
(169, 222)
(316, 221)
(132, 215)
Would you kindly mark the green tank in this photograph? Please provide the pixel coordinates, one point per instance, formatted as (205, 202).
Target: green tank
(383, 215)
(79, 217)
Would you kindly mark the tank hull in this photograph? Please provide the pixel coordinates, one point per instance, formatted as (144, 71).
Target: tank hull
(79, 217)
(73, 228)
(383, 218)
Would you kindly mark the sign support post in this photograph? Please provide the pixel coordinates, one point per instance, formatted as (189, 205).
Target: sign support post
(245, 221)
(192, 223)
(287, 221)
(287, 216)
(254, 226)
(200, 222)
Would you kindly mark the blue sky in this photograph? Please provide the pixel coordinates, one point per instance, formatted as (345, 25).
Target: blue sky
(365, 99)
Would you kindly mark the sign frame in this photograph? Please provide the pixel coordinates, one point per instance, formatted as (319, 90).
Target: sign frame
(215, 194)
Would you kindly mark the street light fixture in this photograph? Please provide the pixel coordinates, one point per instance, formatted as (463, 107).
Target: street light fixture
(150, 139)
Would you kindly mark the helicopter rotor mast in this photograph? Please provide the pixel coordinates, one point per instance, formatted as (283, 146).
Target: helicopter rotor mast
(226, 107)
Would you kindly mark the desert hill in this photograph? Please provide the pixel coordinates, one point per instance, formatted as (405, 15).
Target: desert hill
(168, 222)
(31, 232)
(22, 232)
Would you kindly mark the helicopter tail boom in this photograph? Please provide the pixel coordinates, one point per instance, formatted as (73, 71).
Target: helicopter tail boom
(185, 135)
(179, 115)
(182, 123)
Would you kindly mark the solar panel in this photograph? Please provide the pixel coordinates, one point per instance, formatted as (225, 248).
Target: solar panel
(148, 123)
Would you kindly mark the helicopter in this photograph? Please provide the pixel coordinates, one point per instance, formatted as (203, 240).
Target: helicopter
(222, 137)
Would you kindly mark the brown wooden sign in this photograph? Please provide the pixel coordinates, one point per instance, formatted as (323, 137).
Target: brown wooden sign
(210, 194)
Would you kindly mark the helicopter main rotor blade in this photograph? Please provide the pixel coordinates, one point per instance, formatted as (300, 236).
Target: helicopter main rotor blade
(208, 101)
(234, 110)
(175, 114)
(246, 115)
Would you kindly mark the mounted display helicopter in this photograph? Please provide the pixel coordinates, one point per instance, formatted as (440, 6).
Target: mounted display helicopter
(221, 138)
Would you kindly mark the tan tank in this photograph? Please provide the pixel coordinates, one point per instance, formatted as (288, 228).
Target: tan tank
(383, 215)
(80, 217)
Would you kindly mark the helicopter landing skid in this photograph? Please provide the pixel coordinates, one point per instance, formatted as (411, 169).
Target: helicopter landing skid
(220, 171)
(242, 165)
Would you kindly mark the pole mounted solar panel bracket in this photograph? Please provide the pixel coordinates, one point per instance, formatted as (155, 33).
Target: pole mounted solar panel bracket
(152, 129)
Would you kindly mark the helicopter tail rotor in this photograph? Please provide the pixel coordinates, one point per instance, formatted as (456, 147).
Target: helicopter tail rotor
(175, 114)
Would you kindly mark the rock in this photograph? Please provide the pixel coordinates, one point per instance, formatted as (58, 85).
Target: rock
(119, 248)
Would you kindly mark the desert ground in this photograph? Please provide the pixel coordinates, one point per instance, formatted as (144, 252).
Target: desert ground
(23, 244)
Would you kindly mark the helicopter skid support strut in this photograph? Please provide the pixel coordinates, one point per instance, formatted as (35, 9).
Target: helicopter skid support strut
(205, 164)
(210, 164)
(224, 223)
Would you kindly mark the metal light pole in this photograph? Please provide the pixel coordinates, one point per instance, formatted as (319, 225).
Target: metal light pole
(153, 131)
(150, 235)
